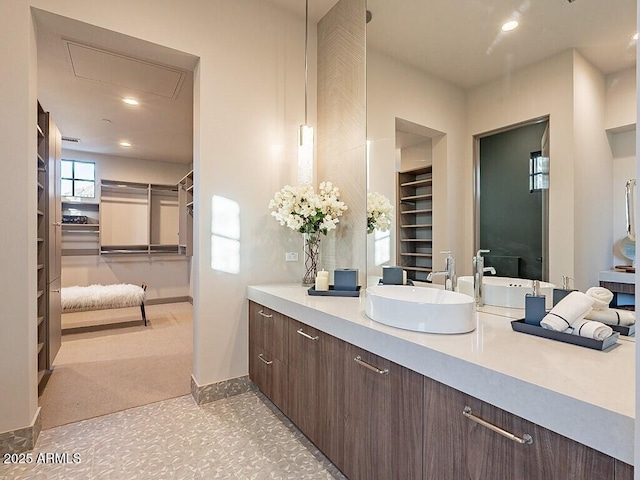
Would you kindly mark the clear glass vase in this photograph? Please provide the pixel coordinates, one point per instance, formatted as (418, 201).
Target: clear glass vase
(311, 253)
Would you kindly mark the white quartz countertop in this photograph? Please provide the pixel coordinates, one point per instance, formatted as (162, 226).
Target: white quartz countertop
(616, 276)
(581, 393)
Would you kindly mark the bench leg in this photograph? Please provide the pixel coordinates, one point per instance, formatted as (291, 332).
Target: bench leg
(144, 316)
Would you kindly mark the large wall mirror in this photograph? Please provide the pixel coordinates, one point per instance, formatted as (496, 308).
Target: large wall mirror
(441, 80)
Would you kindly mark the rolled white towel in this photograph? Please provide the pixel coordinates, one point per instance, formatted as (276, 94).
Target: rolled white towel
(590, 329)
(601, 297)
(611, 316)
(571, 308)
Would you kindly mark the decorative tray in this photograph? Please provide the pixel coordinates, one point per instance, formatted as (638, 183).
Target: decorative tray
(520, 326)
(334, 293)
(624, 330)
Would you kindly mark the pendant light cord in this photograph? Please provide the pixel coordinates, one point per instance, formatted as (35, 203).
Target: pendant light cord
(306, 35)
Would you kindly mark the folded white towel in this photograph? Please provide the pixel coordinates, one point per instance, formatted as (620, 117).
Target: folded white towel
(571, 308)
(611, 316)
(601, 297)
(590, 329)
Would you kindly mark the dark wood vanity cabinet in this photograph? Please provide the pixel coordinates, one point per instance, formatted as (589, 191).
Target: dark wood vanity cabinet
(268, 354)
(457, 447)
(375, 419)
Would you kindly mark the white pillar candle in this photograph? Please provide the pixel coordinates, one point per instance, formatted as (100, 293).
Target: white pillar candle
(322, 282)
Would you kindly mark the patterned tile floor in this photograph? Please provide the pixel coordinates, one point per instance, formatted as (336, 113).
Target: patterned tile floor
(241, 437)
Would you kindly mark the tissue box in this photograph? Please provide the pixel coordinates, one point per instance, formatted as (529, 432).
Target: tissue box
(345, 279)
(392, 276)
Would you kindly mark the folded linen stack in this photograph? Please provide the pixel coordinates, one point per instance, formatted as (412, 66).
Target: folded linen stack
(568, 316)
(602, 313)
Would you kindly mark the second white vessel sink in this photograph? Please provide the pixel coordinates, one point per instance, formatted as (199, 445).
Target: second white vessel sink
(506, 291)
(420, 309)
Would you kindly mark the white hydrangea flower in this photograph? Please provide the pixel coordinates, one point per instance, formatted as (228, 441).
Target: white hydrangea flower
(304, 211)
(379, 212)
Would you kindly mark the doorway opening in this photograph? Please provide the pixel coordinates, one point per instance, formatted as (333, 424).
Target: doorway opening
(128, 230)
(511, 199)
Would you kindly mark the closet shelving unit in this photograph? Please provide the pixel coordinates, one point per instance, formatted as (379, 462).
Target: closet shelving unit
(41, 297)
(138, 218)
(80, 238)
(185, 201)
(415, 222)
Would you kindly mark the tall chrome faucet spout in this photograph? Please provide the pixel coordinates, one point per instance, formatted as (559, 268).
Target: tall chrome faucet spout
(449, 272)
(478, 274)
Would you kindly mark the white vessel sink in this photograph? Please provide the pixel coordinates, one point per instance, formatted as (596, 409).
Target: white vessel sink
(420, 309)
(505, 291)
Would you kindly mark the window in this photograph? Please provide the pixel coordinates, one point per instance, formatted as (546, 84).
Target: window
(538, 172)
(78, 178)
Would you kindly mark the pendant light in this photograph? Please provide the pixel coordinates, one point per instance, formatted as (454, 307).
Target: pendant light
(305, 133)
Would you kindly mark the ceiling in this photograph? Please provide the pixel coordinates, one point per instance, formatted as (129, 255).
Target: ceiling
(83, 82)
(463, 44)
(85, 71)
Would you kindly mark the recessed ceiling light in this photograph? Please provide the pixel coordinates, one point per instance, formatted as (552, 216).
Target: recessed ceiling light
(125, 144)
(131, 101)
(510, 25)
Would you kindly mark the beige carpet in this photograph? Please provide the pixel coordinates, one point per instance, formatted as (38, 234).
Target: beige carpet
(108, 370)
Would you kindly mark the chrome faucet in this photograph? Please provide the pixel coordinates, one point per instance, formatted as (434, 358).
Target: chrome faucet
(450, 280)
(478, 273)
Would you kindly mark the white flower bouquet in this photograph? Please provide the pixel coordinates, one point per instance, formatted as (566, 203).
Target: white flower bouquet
(303, 210)
(379, 212)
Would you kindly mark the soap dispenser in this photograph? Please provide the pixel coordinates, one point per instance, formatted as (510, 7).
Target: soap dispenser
(534, 306)
(560, 293)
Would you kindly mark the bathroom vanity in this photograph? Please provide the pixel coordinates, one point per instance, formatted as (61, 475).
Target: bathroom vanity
(382, 402)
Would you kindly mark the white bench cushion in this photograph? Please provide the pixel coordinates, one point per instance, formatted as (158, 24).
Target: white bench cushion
(100, 297)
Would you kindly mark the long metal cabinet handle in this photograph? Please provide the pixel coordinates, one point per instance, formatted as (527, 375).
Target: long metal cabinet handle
(268, 362)
(526, 438)
(306, 335)
(359, 361)
(261, 312)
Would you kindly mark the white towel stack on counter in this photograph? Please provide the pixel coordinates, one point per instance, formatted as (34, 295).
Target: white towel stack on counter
(569, 316)
(601, 311)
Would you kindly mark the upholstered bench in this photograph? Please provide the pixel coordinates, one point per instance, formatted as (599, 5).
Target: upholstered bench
(103, 297)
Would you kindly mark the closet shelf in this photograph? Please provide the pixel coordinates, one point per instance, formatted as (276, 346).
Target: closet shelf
(416, 212)
(428, 255)
(418, 183)
(425, 240)
(412, 198)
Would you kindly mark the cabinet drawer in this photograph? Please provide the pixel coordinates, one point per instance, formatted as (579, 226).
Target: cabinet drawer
(268, 329)
(459, 447)
(270, 375)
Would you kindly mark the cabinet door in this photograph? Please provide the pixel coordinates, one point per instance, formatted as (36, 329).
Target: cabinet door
(269, 374)
(54, 322)
(624, 471)
(382, 419)
(268, 330)
(316, 388)
(458, 448)
(54, 206)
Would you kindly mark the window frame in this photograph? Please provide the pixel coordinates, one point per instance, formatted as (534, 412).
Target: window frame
(73, 178)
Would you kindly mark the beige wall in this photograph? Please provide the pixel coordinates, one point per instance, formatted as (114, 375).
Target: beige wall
(620, 106)
(249, 101)
(593, 241)
(545, 88)
(18, 369)
(397, 90)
